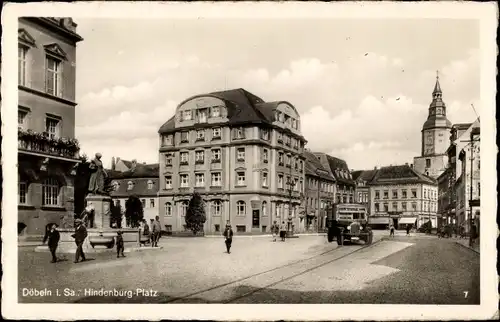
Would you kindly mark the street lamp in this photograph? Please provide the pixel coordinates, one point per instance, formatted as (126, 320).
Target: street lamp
(291, 183)
(472, 148)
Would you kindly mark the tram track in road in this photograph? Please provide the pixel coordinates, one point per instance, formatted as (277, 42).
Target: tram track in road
(221, 287)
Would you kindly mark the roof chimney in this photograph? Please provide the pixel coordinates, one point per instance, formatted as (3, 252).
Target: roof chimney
(406, 163)
(134, 165)
(113, 164)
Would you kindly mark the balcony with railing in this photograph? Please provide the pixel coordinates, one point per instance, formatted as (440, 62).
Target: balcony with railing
(41, 143)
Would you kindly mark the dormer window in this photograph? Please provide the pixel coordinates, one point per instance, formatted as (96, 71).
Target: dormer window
(239, 133)
(202, 116)
(200, 135)
(116, 185)
(186, 115)
(265, 134)
(150, 184)
(215, 111)
(130, 185)
(167, 140)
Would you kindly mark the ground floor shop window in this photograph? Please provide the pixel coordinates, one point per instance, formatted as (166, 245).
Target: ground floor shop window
(241, 229)
(217, 228)
(22, 193)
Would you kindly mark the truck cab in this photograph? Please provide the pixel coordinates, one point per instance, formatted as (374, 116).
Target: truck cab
(348, 223)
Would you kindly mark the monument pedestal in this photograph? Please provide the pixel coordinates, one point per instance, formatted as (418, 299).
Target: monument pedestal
(102, 210)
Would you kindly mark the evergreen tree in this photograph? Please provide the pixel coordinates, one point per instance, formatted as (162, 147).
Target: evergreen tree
(195, 215)
(116, 216)
(134, 212)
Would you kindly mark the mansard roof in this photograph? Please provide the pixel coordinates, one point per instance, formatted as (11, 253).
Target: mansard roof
(400, 174)
(140, 171)
(313, 167)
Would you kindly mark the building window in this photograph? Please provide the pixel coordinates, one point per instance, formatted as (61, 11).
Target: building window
(216, 155)
(200, 157)
(50, 192)
(52, 127)
(280, 181)
(425, 194)
(404, 206)
(215, 111)
(143, 201)
(22, 193)
(395, 206)
(186, 115)
(116, 185)
(167, 140)
(240, 208)
(264, 208)
(240, 178)
(386, 194)
(184, 137)
(217, 228)
(281, 155)
(168, 209)
(184, 158)
(241, 229)
(404, 194)
(168, 182)
(216, 208)
(216, 179)
(216, 133)
(150, 184)
(239, 133)
(301, 185)
(386, 207)
(183, 208)
(151, 203)
(427, 163)
(377, 207)
(395, 194)
(184, 178)
(53, 75)
(414, 193)
(377, 194)
(22, 52)
(265, 155)
(240, 154)
(264, 179)
(168, 159)
(279, 137)
(414, 206)
(200, 179)
(200, 135)
(202, 116)
(265, 134)
(21, 119)
(130, 185)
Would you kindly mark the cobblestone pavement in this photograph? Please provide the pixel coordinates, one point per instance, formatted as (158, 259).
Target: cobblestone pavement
(302, 270)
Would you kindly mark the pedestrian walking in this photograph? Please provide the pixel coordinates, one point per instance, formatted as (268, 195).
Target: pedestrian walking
(473, 235)
(228, 234)
(392, 231)
(156, 231)
(151, 238)
(52, 236)
(80, 235)
(146, 231)
(283, 231)
(275, 229)
(120, 244)
(408, 227)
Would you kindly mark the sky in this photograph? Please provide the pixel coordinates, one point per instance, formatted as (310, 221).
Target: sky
(362, 87)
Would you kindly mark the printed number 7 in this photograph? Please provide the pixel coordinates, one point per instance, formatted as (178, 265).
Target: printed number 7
(466, 293)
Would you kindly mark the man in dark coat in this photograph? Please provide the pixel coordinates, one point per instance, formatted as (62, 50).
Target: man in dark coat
(228, 234)
(53, 236)
(156, 231)
(79, 236)
(120, 244)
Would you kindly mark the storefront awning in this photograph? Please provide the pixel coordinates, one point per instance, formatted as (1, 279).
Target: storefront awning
(378, 220)
(407, 220)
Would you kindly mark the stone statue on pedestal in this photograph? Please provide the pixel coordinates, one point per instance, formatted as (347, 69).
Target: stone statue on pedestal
(98, 174)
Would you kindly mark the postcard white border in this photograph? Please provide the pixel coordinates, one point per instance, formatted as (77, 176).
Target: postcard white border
(486, 13)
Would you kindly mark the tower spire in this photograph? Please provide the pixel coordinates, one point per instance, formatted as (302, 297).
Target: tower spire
(436, 93)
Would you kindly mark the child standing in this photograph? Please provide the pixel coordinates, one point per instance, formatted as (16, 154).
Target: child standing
(120, 245)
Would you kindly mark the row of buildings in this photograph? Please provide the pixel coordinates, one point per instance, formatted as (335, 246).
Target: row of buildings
(245, 156)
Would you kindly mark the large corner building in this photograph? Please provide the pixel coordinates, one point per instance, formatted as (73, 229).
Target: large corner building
(242, 154)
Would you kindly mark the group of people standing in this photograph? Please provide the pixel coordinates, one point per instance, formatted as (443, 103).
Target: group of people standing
(279, 230)
(153, 233)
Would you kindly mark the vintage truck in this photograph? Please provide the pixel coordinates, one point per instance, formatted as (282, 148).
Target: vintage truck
(348, 223)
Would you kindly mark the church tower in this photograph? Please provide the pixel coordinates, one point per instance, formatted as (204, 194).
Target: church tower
(435, 137)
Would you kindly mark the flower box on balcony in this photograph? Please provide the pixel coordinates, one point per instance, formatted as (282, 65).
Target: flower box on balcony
(184, 163)
(215, 160)
(43, 143)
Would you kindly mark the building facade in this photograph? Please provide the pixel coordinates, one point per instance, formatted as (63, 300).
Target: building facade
(435, 137)
(141, 181)
(402, 196)
(47, 149)
(319, 193)
(243, 155)
(362, 192)
(344, 187)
